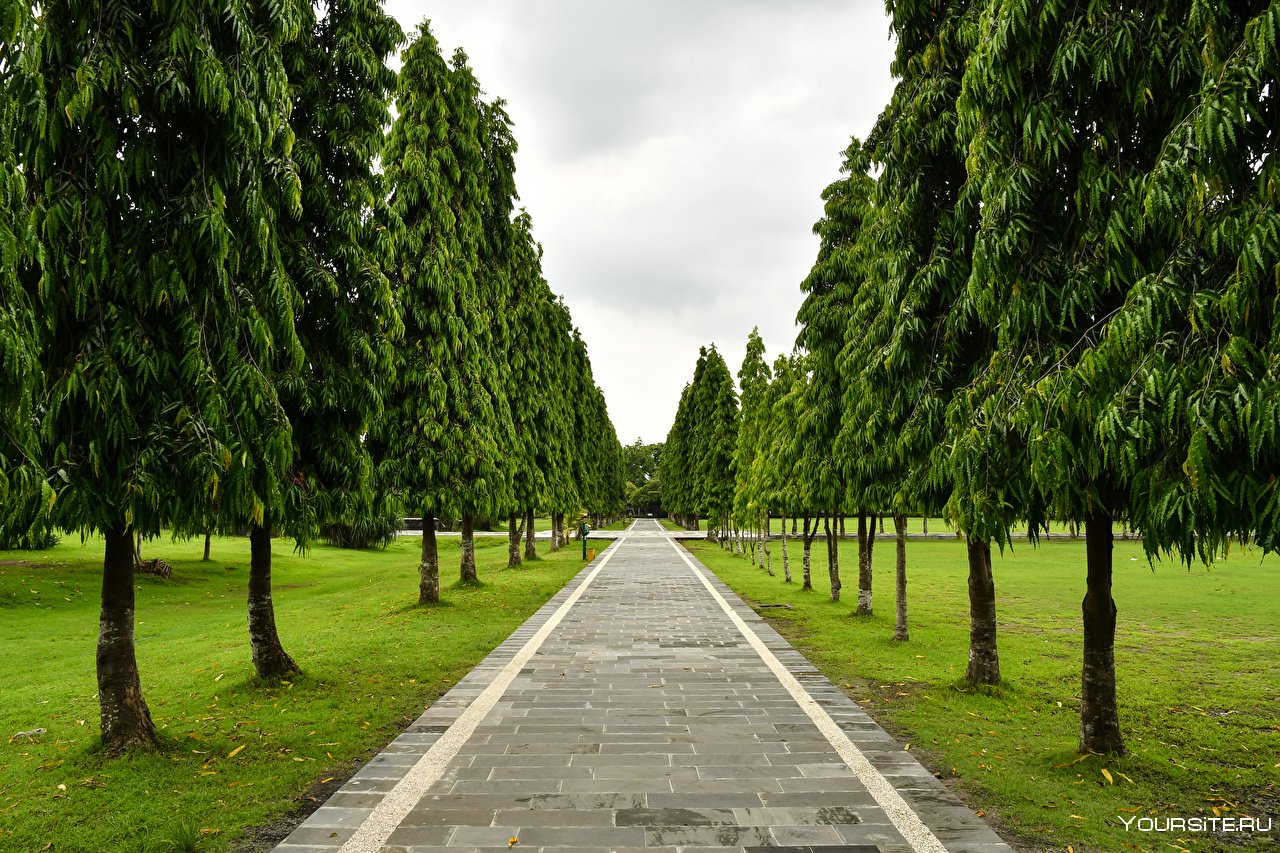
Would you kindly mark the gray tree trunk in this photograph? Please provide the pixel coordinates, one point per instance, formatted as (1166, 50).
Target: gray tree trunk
(208, 541)
(269, 657)
(530, 548)
(900, 618)
(864, 565)
(984, 656)
(429, 566)
(467, 569)
(833, 556)
(1099, 715)
(513, 540)
(807, 577)
(123, 713)
(786, 561)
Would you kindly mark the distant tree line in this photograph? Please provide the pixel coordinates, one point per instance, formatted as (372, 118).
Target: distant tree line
(1045, 292)
(231, 299)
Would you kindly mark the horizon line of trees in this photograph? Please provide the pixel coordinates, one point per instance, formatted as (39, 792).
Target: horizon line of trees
(234, 293)
(1045, 292)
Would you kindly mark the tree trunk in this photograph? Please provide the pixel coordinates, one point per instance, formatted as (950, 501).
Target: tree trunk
(807, 577)
(208, 540)
(429, 568)
(269, 657)
(137, 549)
(900, 620)
(467, 569)
(864, 565)
(841, 525)
(530, 548)
(1099, 716)
(786, 560)
(555, 532)
(125, 718)
(768, 558)
(882, 524)
(984, 657)
(924, 524)
(513, 540)
(833, 556)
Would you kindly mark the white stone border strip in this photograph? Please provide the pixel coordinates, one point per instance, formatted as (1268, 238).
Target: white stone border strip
(904, 819)
(400, 800)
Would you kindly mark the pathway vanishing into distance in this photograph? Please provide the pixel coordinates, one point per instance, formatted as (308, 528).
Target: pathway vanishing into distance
(644, 707)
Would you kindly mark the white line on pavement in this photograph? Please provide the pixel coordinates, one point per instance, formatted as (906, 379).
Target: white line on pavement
(401, 799)
(903, 817)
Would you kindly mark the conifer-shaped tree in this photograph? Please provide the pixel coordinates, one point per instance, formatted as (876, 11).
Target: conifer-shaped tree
(442, 430)
(753, 380)
(155, 149)
(715, 434)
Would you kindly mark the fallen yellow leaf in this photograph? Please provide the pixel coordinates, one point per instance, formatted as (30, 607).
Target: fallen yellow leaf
(1078, 816)
(1107, 775)
(233, 753)
(512, 841)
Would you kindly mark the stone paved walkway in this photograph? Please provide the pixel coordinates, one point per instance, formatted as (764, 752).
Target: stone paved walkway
(644, 707)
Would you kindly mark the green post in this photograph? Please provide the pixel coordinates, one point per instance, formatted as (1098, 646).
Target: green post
(583, 530)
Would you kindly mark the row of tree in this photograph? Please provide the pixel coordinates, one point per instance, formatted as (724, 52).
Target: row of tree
(230, 299)
(1046, 291)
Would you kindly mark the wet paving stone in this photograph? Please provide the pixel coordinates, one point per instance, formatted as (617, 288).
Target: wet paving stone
(646, 720)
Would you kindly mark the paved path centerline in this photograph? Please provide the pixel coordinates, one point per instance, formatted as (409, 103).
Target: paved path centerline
(903, 817)
(400, 800)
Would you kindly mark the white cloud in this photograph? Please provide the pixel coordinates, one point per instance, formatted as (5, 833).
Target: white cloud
(672, 154)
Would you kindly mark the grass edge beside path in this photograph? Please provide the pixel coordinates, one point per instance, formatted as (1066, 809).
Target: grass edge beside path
(1199, 681)
(239, 758)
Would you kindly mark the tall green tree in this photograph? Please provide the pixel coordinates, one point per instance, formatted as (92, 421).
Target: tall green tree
(715, 435)
(1064, 111)
(921, 340)
(335, 252)
(753, 380)
(156, 151)
(23, 495)
(446, 416)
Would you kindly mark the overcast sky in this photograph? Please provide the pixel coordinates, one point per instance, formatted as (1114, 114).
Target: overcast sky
(672, 156)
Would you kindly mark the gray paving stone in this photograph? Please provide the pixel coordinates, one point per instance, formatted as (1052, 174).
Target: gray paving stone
(645, 721)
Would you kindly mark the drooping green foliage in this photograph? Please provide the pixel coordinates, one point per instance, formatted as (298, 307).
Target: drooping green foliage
(447, 420)
(337, 253)
(20, 368)
(156, 152)
(697, 463)
(1187, 368)
(676, 475)
(157, 164)
(753, 380)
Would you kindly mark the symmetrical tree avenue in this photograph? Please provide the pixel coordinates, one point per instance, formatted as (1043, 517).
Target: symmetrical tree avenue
(1056, 302)
(202, 284)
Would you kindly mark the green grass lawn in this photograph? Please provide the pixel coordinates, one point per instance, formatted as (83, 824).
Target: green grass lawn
(235, 753)
(1198, 668)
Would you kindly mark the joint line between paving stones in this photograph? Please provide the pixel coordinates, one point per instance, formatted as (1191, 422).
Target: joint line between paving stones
(400, 800)
(903, 817)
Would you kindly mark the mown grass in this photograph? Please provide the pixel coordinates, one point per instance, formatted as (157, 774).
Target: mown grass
(1198, 667)
(235, 753)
